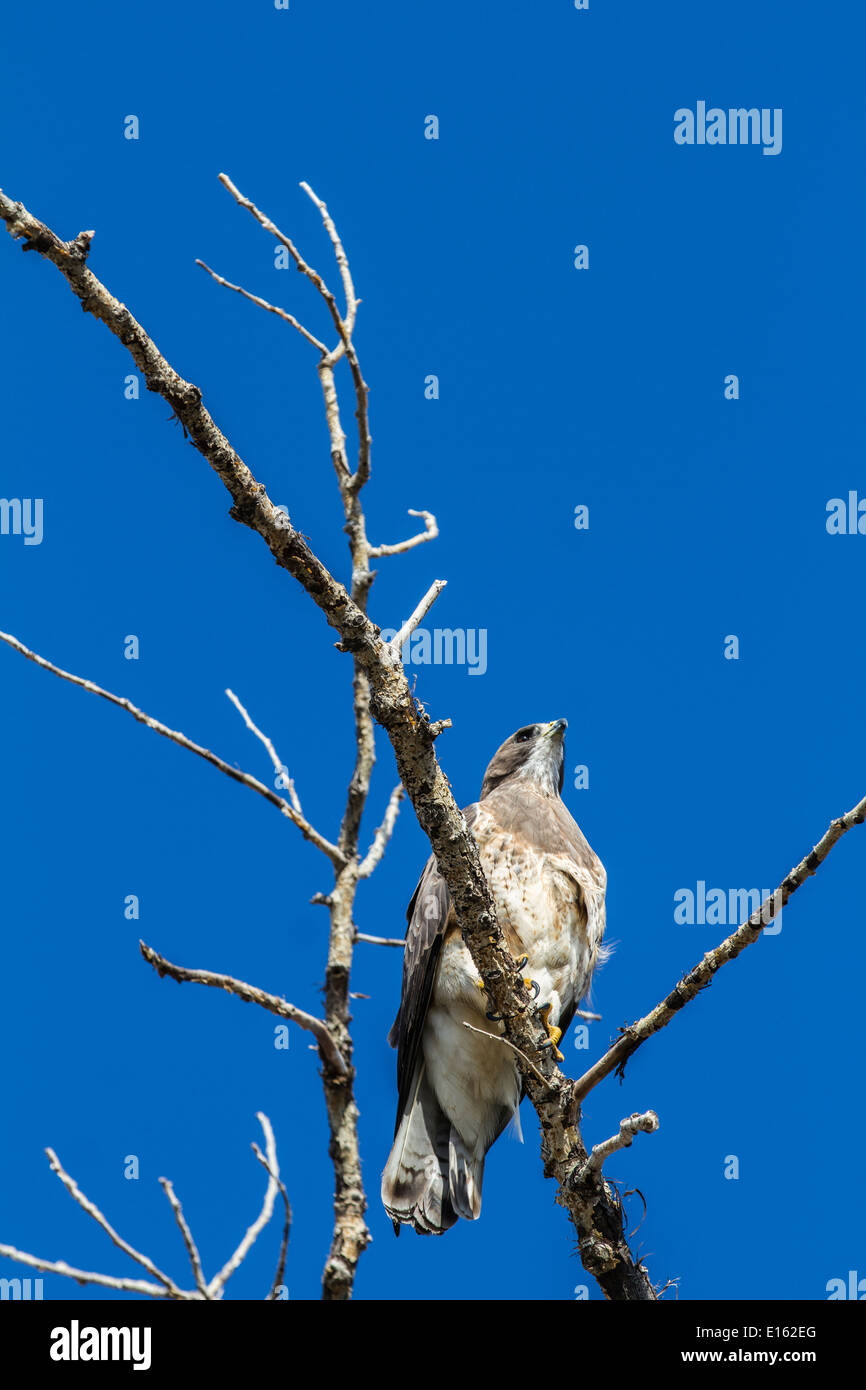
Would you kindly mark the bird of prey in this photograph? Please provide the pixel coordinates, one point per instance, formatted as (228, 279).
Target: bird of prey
(459, 1089)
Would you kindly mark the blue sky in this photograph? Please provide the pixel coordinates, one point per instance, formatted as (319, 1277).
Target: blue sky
(558, 387)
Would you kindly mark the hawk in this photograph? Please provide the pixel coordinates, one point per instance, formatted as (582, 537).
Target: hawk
(459, 1089)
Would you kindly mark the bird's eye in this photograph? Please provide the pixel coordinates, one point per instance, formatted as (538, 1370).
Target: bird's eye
(524, 735)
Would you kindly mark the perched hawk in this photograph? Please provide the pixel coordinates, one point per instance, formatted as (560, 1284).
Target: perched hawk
(458, 1090)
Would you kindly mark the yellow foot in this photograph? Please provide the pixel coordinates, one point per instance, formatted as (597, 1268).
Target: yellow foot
(554, 1033)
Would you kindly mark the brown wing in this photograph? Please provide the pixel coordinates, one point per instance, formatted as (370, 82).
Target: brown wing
(429, 912)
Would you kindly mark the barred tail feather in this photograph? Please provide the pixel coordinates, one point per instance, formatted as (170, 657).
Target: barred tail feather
(415, 1183)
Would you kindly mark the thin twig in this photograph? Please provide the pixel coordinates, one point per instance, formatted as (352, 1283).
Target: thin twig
(345, 328)
(312, 275)
(279, 766)
(380, 940)
(698, 978)
(93, 1210)
(182, 741)
(166, 1288)
(431, 531)
(250, 994)
(424, 607)
(264, 304)
(497, 1037)
(191, 1247)
(218, 1283)
(340, 257)
(86, 1276)
(383, 834)
(287, 1224)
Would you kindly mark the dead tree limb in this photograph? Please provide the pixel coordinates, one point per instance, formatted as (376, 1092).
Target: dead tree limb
(250, 995)
(701, 975)
(380, 692)
(164, 1286)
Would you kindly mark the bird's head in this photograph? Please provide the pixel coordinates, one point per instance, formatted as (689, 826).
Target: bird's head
(535, 754)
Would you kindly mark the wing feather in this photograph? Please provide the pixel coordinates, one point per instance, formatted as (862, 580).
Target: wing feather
(429, 914)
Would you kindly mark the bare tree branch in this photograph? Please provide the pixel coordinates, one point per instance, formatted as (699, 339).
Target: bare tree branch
(700, 976)
(252, 506)
(264, 304)
(430, 532)
(381, 940)
(217, 1284)
(279, 766)
(498, 1037)
(183, 742)
(166, 1287)
(85, 1276)
(346, 327)
(350, 1232)
(646, 1123)
(191, 1247)
(423, 608)
(287, 1224)
(383, 834)
(342, 261)
(293, 251)
(250, 995)
(93, 1210)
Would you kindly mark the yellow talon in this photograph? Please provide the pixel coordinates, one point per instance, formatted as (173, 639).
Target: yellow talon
(554, 1033)
(479, 984)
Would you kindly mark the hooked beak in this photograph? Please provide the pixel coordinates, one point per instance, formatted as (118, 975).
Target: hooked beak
(556, 729)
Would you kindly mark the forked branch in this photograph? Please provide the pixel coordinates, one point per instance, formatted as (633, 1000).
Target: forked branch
(165, 1287)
